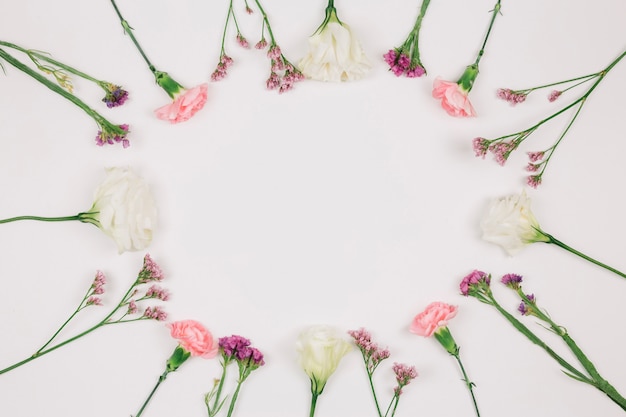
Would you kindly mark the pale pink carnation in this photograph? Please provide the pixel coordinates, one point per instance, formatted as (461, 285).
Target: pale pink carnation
(185, 105)
(435, 315)
(194, 338)
(454, 99)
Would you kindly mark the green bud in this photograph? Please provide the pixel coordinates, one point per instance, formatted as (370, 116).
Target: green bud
(167, 83)
(467, 79)
(444, 337)
(179, 356)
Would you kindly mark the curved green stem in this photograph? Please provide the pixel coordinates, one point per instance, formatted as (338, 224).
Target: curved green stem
(582, 255)
(266, 22)
(231, 407)
(161, 379)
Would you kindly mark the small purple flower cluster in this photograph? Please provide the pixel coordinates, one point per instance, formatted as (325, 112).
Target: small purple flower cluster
(512, 96)
(404, 375)
(222, 68)
(106, 136)
(525, 308)
(115, 95)
(400, 64)
(372, 353)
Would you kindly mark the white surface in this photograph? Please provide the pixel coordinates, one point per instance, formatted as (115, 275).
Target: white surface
(346, 204)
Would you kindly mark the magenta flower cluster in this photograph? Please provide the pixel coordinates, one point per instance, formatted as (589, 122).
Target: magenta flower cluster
(400, 64)
(150, 271)
(238, 348)
(222, 68)
(512, 96)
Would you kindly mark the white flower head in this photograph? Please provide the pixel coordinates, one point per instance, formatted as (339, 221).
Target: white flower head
(334, 52)
(320, 350)
(511, 224)
(123, 209)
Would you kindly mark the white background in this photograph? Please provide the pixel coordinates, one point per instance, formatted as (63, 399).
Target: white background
(353, 204)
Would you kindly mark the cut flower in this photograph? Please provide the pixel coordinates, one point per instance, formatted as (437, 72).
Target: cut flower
(185, 105)
(334, 52)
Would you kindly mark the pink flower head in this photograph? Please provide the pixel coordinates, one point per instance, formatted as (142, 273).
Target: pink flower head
(94, 301)
(261, 44)
(150, 271)
(481, 146)
(415, 72)
(186, 104)
(554, 95)
(473, 278)
(194, 338)
(454, 99)
(404, 375)
(512, 280)
(154, 313)
(157, 292)
(513, 97)
(231, 346)
(241, 40)
(535, 156)
(533, 180)
(274, 52)
(435, 315)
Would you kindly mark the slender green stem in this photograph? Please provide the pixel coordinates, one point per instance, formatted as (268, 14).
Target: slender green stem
(44, 57)
(231, 407)
(313, 401)
(129, 31)
(470, 385)
(369, 377)
(266, 22)
(54, 87)
(415, 33)
(104, 321)
(537, 341)
(230, 11)
(161, 379)
(495, 11)
(220, 387)
(582, 255)
(43, 219)
(393, 403)
(585, 78)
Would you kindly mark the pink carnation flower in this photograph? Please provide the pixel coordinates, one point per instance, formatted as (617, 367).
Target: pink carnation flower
(436, 315)
(194, 338)
(453, 98)
(186, 103)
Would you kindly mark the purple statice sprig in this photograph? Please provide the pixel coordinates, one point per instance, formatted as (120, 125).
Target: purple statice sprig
(127, 309)
(235, 349)
(283, 74)
(588, 374)
(405, 59)
(373, 355)
(503, 146)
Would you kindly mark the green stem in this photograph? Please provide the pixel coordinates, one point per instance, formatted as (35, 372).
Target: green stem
(470, 385)
(54, 87)
(43, 219)
(50, 60)
(103, 322)
(128, 30)
(369, 377)
(220, 387)
(496, 10)
(230, 11)
(582, 255)
(537, 341)
(161, 379)
(415, 33)
(313, 403)
(231, 407)
(584, 77)
(266, 22)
